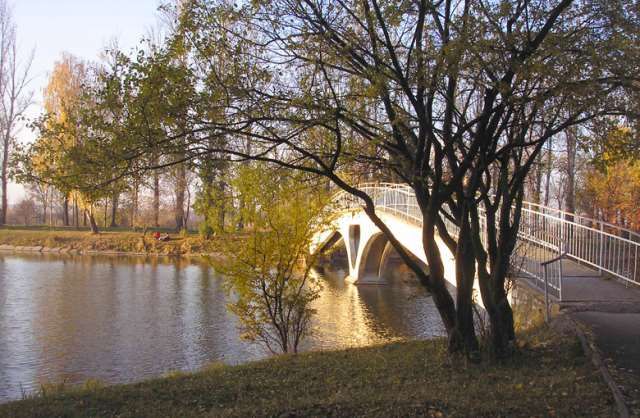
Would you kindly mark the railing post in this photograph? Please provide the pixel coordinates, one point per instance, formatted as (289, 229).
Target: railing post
(546, 294)
(600, 263)
(635, 265)
(561, 274)
(563, 234)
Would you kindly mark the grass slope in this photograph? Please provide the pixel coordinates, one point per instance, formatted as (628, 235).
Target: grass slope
(549, 376)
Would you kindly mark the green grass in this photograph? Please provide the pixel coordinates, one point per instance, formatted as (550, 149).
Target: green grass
(548, 376)
(107, 241)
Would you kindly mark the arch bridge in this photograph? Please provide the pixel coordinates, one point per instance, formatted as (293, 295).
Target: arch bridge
(555, 248)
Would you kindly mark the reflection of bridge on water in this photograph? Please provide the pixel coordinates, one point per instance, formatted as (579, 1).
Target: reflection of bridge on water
(564, 253)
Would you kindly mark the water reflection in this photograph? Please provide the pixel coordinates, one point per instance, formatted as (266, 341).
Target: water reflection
(124, 319)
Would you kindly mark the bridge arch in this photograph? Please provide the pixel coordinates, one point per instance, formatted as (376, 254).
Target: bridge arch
(334, 250)
(380, 261)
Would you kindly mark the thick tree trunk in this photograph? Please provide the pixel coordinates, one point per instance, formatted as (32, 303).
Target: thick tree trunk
(115, 199)
(441, 296)
(465, 336)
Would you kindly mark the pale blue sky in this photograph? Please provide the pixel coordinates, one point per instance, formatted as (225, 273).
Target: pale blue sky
(81, 27)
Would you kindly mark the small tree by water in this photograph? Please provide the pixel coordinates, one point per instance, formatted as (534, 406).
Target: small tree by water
(267, 266)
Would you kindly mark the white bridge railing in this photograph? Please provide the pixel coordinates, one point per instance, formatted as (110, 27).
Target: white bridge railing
(546, 235)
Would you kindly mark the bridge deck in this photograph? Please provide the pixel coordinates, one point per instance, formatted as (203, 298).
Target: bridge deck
(582, 283)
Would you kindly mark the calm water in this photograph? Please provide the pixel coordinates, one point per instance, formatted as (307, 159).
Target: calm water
(126, 319)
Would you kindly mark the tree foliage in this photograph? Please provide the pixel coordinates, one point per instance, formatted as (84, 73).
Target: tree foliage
(267, 268)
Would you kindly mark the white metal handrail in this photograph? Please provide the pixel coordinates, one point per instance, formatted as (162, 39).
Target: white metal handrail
(543, 232)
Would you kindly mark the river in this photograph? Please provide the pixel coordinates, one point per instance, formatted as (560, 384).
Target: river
(124, 319)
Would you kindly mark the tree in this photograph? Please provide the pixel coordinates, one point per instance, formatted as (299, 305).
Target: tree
(457, 99)
(61, 101)
(26, 210)
(14, 96)
(449, 97)
(268, 269)
(612, 187)
(71, 138)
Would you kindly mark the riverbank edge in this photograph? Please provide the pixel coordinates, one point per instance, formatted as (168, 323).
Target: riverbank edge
(39, 249)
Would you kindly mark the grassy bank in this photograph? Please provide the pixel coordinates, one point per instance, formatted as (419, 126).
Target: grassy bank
(549, 376)
(108, 241)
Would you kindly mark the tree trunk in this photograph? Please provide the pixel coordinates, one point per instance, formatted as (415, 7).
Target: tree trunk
(188, 209)
(106, 213)
(5, 181)
(465, 336)
(65, 210)
(547, 186)
(570, 198)
(441, 296)
(76, 211)
(44, 211)
(221, 205)
(134, 204)
(181, 187)
(92, 220)
(115, 198)
(537, 193)
(156, 199)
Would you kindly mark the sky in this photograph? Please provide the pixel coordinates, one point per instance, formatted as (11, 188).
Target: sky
(80, 27)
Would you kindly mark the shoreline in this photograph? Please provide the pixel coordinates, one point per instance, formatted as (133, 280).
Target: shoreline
(39, 249)
(114, 243)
